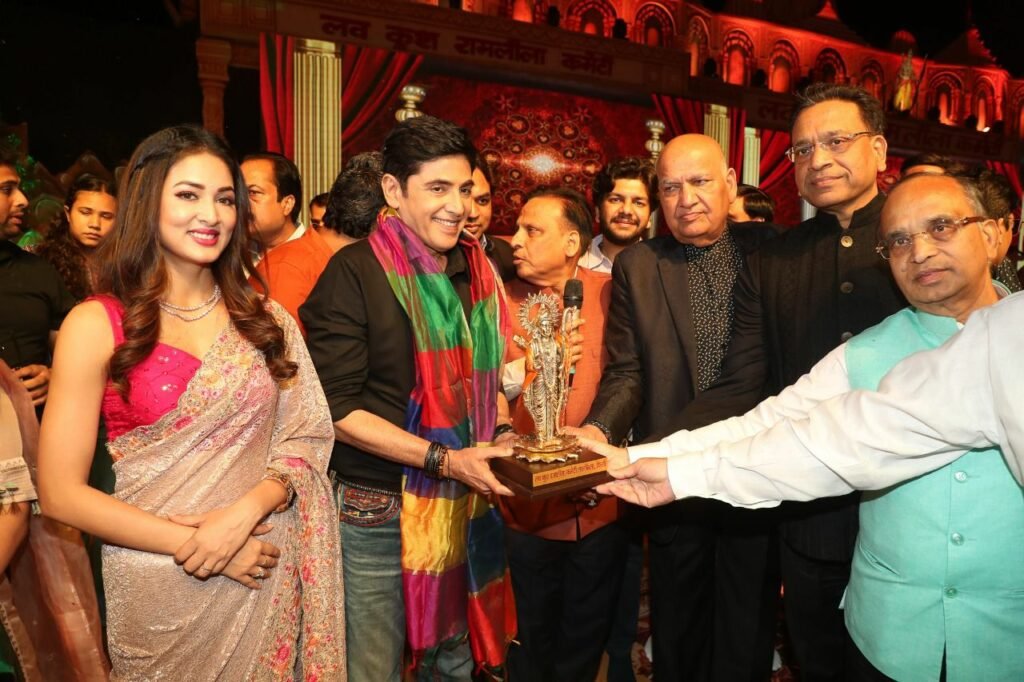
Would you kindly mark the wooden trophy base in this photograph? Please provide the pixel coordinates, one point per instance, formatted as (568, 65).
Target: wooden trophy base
(540, 480)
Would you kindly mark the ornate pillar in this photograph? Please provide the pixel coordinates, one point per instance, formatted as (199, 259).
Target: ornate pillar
(213, 56)
(317, 116)
(716, 125)
(751, 157)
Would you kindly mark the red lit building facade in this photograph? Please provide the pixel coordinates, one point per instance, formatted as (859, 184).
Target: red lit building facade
(552, 90)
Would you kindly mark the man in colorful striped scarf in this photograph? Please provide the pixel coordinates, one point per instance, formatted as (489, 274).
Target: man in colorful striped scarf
(408, 330)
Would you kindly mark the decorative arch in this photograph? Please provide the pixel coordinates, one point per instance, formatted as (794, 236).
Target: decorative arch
(945, 91)
(540, 11)
(783, 66)
(872, 78)
(697, 43)
(737, 56)
(983, 102)
(653, 17)
(1016, 112)
(585, 13)
(829, 67)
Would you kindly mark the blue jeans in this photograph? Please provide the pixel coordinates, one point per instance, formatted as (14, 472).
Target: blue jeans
(374, 607)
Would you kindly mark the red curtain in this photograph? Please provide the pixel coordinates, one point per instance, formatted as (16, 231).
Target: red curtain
(774, 164)
(777, 177)
(370, 82)
(1010, 170)
(737, 123)
(276, 93)
(680, 115)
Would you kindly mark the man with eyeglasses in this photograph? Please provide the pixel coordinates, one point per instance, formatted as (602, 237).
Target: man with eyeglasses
(935, 589)
(999, 199)
(801, 295)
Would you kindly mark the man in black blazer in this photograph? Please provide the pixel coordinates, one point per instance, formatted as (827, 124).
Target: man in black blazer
(667, 330)
(802, 295)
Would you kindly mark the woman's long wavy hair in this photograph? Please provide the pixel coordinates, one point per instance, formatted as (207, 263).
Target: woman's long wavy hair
(132, 262)
(63, 250)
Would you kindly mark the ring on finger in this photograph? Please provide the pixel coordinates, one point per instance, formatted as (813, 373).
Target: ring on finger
(260, 573)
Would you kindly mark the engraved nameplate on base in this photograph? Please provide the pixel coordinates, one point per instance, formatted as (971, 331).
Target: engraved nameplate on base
(538, 480)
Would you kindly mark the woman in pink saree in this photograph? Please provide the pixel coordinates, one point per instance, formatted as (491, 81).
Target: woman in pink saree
(222, 559)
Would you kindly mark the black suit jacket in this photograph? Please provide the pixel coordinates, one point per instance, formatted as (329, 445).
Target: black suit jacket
(802, 294)
(652, 350)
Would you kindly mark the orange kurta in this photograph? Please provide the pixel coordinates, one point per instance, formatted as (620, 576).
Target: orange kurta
(555, 519)
(291, 269)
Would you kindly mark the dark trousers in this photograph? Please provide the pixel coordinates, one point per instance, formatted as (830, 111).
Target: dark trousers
(713, 599)
(565, 595)
(627, 612)
(860, 669)
(813, 591)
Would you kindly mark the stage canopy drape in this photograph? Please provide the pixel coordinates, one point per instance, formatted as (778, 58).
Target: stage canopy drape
(1011, 171)
(737, 125)
(777, 176)
(277, 87)
(680, 115)
(371, 80)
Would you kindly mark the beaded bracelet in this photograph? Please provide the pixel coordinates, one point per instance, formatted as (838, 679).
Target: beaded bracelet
(502, 429)
(433, 463)
(289, 489)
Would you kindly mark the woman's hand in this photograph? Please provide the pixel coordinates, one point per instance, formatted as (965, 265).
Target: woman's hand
(252, 563)
(220, 534)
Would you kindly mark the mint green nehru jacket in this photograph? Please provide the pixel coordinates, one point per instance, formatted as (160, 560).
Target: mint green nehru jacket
(939, 563)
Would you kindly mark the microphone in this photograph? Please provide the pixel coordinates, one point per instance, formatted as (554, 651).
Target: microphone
(572, 302)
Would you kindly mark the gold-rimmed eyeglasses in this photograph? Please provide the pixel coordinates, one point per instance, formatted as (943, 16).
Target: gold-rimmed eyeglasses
(837, 144)
(938, 230)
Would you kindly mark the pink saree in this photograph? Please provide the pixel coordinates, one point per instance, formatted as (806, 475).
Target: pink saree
(231, 424)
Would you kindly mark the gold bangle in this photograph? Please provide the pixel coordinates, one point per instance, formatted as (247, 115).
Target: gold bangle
(285, 482)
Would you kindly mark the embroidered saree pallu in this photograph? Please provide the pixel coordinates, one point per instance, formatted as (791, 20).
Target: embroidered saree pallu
(454, 573)
(230, 425)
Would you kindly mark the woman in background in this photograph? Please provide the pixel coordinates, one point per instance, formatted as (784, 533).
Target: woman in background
(88, 218)
(216, 421)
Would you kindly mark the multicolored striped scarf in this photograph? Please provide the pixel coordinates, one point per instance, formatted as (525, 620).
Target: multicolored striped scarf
(454, 573)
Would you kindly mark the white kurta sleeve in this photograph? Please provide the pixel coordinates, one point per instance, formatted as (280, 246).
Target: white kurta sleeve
(928, 410)
(826, 379)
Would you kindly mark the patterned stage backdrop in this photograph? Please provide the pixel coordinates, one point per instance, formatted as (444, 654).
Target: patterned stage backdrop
(532, 137)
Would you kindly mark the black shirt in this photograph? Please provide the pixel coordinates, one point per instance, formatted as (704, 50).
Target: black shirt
(33, 302)
(361, 343)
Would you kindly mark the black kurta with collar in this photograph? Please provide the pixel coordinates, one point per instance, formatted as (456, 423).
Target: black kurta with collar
(803, 294)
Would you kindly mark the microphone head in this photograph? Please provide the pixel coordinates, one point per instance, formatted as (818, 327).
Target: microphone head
(572, 295)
